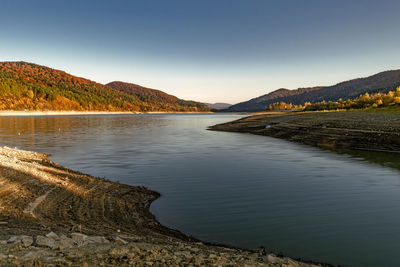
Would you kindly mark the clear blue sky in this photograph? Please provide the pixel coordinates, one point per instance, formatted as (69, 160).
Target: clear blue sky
(209, 50)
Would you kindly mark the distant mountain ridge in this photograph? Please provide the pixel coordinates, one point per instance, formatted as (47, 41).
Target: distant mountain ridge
(259, 103)
(28, 86)
(381, 82)
(218, 105)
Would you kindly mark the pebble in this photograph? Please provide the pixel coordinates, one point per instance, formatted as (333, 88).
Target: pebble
(119, 240)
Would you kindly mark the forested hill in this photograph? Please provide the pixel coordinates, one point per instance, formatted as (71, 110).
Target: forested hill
(148, 95)
(259, 103)
(381, 82)
(27, 86)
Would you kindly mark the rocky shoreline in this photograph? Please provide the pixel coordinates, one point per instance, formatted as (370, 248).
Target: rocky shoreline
(358, 130)
(53, 216)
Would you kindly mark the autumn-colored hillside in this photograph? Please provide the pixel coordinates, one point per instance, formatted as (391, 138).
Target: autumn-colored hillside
(148, 95)
(143, 93)
(27, 86)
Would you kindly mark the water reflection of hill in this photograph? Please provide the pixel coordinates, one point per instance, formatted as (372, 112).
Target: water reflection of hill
(37, 133)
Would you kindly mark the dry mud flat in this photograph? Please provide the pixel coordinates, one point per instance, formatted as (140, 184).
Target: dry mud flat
(53, 216)
(373, 131)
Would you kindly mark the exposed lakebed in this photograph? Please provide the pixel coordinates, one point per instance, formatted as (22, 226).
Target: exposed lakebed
(233, 188)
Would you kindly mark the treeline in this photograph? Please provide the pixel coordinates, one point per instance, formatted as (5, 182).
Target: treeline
(26, 86)
(364, 101)
(392, 98)
(282, 106)
(27, 93)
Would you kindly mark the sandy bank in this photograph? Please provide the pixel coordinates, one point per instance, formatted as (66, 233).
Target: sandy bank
(359, 130)
(43, 205)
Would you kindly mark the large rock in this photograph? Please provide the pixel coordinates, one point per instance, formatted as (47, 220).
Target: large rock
(44, 241)
(64, 242)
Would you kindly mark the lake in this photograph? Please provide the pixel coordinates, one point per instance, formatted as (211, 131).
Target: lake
(238, 189)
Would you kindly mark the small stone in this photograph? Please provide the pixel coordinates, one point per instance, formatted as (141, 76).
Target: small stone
(12, 239)
(26, 240)
(3, 242)
(120, 241)
(292, 263)
(52, 235)
(273, 259)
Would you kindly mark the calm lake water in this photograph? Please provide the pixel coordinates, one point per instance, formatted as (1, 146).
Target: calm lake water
(237, 189)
